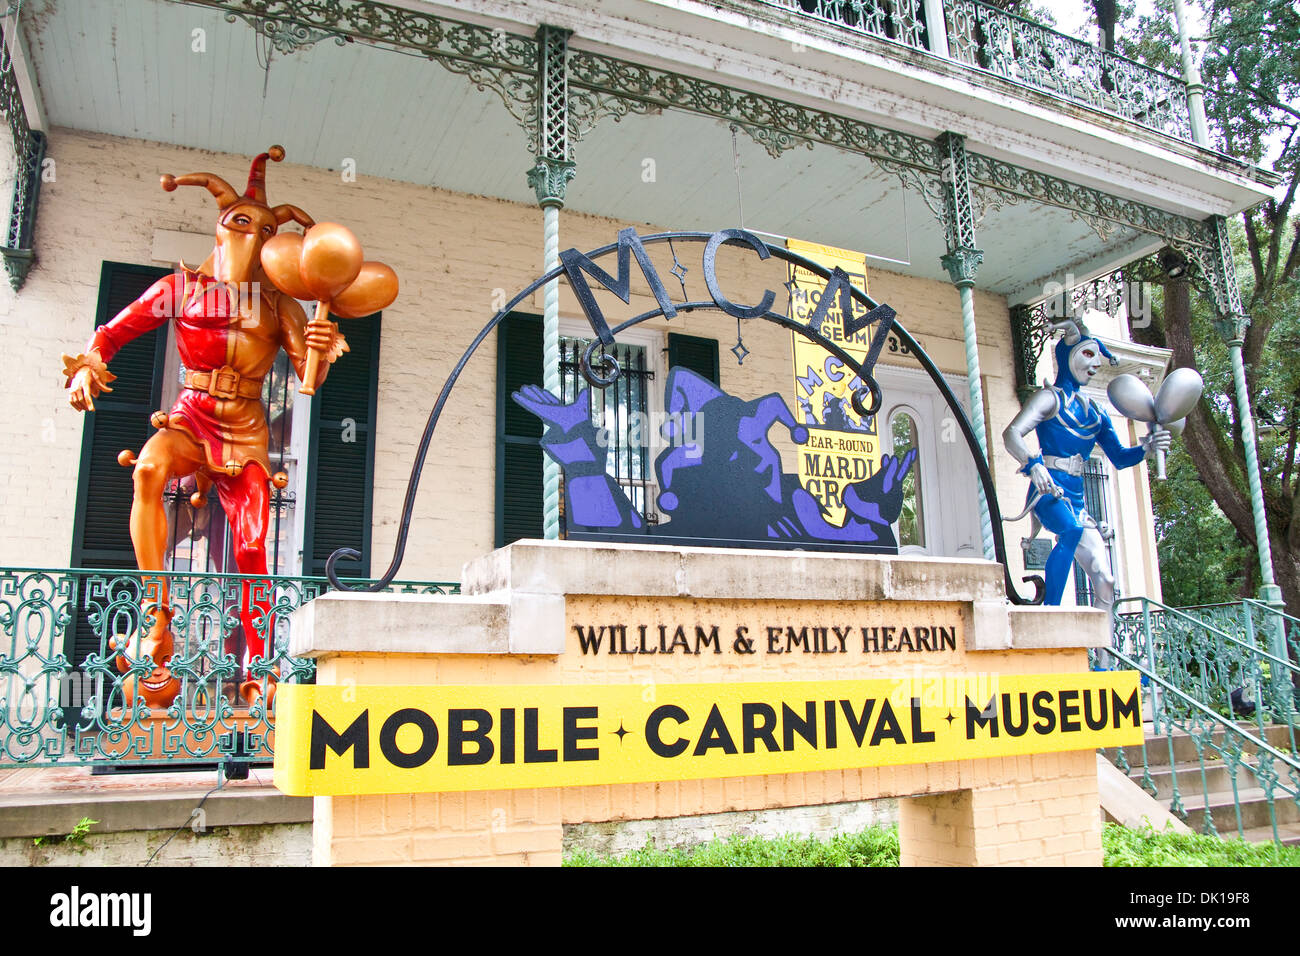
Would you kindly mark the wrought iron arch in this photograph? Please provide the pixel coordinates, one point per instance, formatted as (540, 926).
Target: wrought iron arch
(812, 334)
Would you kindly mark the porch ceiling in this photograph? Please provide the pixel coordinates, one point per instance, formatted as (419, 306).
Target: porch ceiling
(402, 117)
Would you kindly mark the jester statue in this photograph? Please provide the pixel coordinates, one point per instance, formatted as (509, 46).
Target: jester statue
(1069, 425)
(230, 324)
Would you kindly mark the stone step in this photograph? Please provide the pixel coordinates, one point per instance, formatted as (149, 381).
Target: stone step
(1217, 779)
(1157, 747)
(1288, 834)
(1254, 810)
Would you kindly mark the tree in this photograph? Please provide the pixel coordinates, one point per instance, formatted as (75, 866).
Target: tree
(1252, 99)
(1202, 561)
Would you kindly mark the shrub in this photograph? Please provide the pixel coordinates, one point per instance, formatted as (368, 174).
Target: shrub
(878, 846)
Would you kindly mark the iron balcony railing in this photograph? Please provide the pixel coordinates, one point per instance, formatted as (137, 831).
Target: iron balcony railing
(902, 21)
(1030, 54)
(1222, 705)
(63, 688)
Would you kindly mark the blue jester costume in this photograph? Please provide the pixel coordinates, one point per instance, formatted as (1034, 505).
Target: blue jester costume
(1066, 441)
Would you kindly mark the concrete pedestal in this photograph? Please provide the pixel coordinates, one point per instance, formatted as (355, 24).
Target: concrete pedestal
(529, 614)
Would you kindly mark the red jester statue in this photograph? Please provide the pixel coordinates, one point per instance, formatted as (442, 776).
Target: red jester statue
(230, 324)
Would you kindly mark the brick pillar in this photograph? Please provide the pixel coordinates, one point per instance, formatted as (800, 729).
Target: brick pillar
(479, 828)
(1029, 820)
(937, 830)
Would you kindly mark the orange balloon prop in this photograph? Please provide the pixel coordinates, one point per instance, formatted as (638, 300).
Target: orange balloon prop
(282, 260)
(331, 260)
(373, 289)
(326, 264)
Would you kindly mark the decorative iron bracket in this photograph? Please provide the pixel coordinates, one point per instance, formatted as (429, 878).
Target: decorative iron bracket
(554, 167)
(29, 154)
(1030, 331)
(1031, 325)
(285, 35)
(1216, 277)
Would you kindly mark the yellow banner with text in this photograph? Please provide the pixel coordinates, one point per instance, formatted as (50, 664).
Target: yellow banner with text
(424, 739)
(843, 447)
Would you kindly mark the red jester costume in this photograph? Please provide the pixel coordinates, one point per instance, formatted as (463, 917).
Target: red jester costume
(230, 323)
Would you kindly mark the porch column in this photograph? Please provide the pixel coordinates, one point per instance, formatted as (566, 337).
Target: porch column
(962, 262)
(936, 27)
(550, 174)
(1231, 325)
(1192, 74)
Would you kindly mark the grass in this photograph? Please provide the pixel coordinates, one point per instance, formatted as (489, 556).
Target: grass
(878, 846)
(1125, 847)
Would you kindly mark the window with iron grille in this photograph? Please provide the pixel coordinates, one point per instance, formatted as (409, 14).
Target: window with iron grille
(632, 400)
(621, 412)
(1096, 487)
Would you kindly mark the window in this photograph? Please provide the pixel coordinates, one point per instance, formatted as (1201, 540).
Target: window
(910, 529)
(1096, 497)
(627, 408)
(940, 498)
(199, 539)
(622, 413)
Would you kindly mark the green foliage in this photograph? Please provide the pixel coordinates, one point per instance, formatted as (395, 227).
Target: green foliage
(1252, 103)
(1153, 39)
(1255, 80)
(76, 839)
(1202, 561)
(1126, 847)
(1028, 9)
(877, 846)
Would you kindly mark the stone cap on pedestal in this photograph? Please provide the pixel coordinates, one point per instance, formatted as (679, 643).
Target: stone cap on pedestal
(513, 600)
(648, 570)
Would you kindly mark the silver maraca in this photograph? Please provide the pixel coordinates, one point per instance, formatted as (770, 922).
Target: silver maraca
(1177, 396)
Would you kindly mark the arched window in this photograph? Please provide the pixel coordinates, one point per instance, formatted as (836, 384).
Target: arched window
(911, 522)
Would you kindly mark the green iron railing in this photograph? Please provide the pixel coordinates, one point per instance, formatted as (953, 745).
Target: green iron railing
(1221, 702)
(63, 695)
(986, 37)
(1233, 657)
(902, 21)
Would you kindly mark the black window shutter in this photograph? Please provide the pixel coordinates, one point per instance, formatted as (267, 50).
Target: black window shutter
(698, 354)
(101, 533)
(519, 432)
(341, 454)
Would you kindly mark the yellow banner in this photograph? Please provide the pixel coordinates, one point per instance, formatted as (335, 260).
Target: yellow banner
(842, 447)
(360, 740)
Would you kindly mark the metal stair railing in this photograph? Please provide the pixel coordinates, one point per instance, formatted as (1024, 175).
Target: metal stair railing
(1193, 671)
(1223, 655)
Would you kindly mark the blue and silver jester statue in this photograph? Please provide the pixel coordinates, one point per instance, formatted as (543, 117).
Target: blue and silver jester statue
(1069, 425)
